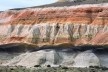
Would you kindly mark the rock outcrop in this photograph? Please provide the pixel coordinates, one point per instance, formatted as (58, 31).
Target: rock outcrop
(70, 24)
(54, 34)
(81, 24)
(73, 56)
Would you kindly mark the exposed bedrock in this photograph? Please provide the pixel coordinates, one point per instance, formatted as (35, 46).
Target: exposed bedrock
(81, 24)
(86, 14)
(77, 34)
(71, 34)
(73, 56)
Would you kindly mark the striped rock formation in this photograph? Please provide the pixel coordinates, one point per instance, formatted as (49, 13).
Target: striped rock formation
(80, 24)
(56, 34)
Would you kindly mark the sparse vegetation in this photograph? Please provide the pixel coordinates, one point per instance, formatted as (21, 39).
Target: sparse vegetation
(64, 67)
(37, 66)
(48, 65)
(51, 69)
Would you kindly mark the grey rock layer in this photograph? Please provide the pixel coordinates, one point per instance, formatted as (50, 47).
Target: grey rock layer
(65, 57)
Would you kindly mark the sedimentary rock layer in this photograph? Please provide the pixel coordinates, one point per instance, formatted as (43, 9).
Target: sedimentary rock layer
(77, 34)
(86, 14)
(61, 55)
(81, 24)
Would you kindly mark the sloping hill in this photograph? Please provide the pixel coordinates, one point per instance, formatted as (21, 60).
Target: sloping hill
(62, 3)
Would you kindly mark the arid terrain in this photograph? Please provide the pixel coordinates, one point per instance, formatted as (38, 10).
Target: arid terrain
(72, 34)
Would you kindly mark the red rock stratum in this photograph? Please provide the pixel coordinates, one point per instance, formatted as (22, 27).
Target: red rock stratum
(77, 24)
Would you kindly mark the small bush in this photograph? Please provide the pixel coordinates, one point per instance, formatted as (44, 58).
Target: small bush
(91, 66)
(64, 67)
(37, 66)
(11, 69)
(48, 65)
(104, 68)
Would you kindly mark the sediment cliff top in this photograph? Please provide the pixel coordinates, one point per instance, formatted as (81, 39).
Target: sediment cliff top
(62, 11)
(62, 3)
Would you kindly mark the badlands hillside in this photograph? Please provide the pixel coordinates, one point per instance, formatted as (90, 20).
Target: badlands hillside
(77, 23)
(71, 33)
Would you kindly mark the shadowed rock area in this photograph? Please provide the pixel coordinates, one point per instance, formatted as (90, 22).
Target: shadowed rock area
(17, 48)
(64, 54)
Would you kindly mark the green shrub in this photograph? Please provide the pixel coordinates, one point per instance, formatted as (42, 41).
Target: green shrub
(48, 65)
(37, 66)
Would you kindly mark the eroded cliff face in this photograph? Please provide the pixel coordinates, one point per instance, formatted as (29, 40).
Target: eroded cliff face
(77, 34)
(55, 36)
(82, 24)
(60, 55)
